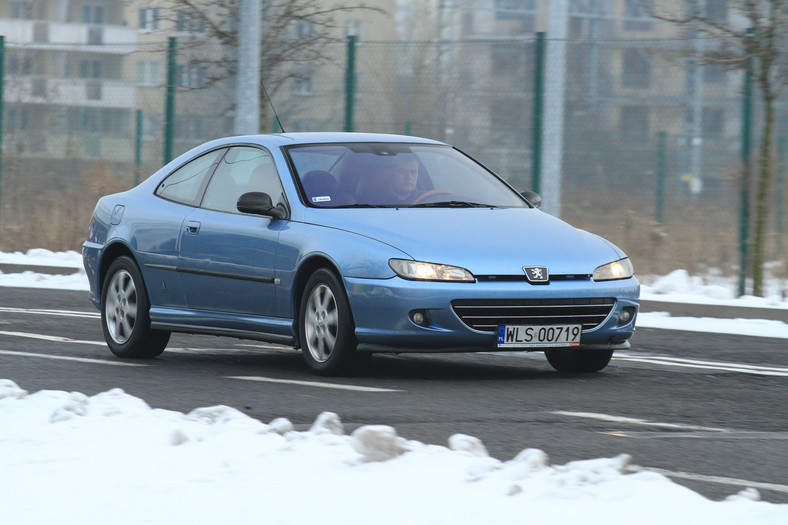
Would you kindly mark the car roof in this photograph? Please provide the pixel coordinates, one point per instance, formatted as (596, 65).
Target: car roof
(288, 139)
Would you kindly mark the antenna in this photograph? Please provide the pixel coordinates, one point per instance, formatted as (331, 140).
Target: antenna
(279, 122)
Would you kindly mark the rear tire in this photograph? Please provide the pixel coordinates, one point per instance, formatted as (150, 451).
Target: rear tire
(578, 360)
(325, 326)
(125, 317)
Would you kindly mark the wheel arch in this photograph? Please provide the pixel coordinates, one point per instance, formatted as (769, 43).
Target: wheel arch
(112, 252)
(309, 266)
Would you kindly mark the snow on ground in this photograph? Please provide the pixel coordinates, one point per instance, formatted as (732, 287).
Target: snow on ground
(68, 458)
(73, 459)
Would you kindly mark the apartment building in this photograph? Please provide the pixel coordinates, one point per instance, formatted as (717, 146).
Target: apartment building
(66, 94)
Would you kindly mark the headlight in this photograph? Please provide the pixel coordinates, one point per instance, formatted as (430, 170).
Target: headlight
(423, 271)
(621, 269)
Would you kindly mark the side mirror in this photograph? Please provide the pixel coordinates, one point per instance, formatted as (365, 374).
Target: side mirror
(532, 197)
(260, 204)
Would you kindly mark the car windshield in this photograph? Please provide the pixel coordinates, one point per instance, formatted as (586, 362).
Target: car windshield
(396, 175)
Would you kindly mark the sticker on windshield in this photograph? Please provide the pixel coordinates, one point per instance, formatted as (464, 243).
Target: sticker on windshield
(324, 198)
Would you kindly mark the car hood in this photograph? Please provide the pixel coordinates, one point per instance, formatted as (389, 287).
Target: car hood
(485, 241)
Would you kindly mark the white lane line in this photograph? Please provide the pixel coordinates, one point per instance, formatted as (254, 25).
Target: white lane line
(266, 347)
(69, 358)
(42, 311)
(52, 338)
(636, 421)
(317, 384)
(712, 479)
(742, 368)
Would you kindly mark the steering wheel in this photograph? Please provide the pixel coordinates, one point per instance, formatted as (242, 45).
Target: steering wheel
(427, 194)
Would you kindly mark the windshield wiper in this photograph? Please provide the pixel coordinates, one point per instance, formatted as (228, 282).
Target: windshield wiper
(452, 204)
(358, 205)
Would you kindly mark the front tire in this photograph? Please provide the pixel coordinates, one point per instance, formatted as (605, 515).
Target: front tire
(325, 325)
(125, 316)
(578, 360)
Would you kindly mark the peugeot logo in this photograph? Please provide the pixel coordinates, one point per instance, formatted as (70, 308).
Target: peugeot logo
(536, 274)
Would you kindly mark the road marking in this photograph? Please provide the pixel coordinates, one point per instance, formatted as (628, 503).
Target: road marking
(317, 384)
(636, 421)
(742, 368)
(711, 479)
(68, 358)
(52, 338)
(42, 311)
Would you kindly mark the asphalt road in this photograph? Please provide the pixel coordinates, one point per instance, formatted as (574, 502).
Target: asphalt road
(708, 410)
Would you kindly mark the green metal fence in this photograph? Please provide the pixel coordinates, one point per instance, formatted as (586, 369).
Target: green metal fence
(651, 150)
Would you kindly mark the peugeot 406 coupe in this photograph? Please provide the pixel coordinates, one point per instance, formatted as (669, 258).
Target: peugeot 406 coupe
(346, 244)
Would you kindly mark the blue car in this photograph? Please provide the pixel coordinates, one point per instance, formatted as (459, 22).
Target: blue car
(345, 244)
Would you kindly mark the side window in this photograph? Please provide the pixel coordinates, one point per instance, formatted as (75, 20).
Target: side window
(183, 185)
(242, 170)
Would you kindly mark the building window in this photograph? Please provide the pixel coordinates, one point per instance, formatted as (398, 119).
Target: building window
(90, 68)
(22, 10)
(19, 65)
(305, 29)
(302, 83)
(634, 124)
(636, 70)
(16, 119)
(189, 22)
(95, 36)
(149, 19)
(93, 90)
(39, 88)
(635, 17)
(148, 73)
(190, 76)
(92, 14)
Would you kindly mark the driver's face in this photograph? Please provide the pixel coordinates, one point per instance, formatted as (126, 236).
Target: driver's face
(404, 177)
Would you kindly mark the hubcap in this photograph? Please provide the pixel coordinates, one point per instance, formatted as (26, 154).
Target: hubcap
(321, 323)
(120, 308)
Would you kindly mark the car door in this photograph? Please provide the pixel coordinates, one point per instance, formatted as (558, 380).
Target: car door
(227, 259)
(158, 228)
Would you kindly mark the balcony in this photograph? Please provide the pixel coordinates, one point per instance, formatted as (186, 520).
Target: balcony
(82, 92)
(36, 34)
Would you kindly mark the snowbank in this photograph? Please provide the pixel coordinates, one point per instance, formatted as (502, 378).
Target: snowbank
(72, 459)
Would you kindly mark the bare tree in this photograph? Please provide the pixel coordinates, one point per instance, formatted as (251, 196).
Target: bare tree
(753, 35)
(294, 33)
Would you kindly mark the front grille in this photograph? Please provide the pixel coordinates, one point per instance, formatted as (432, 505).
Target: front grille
(486, 315)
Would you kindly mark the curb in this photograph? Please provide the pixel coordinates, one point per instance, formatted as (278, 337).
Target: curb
(714, 311)
(49, 270)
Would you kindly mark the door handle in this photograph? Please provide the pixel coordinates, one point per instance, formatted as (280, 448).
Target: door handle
(193, 227)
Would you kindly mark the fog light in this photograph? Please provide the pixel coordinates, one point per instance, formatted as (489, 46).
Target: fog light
(419, 317)
(627, 313)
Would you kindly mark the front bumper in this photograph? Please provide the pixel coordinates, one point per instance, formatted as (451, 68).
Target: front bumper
(382, 312)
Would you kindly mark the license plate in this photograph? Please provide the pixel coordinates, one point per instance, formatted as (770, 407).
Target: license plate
(527, 336)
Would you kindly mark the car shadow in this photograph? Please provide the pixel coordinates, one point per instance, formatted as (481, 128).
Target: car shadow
(250, 358)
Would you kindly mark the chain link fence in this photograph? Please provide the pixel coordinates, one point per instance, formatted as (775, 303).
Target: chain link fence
(650, 154)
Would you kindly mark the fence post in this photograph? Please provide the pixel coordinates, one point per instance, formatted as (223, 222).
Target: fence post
(137, 147)
(538, 108)
(169, 104)
(661, 156)
(746, 141)
(782, 145)
(350, 82)
(2, 107)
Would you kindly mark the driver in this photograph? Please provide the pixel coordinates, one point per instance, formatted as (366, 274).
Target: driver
(400, 181)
